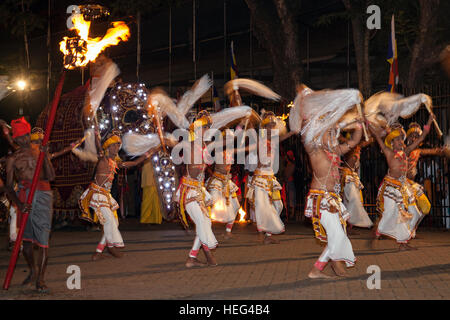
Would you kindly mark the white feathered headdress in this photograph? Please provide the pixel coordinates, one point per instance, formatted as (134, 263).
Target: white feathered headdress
(384, 108)
(136, 144)
(104, 73)
(251, 86)
(320, 110)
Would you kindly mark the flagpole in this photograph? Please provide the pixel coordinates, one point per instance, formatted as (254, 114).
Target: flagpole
(170, 51)
(213, 107)
(194, 40)
(224, 41)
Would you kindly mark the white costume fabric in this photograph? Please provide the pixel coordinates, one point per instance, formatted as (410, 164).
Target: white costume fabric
(353, 201)
(400, 215)
(195, 199)
(12, 223)
(264, 196)
(223, 193)
(104, 205)
(329, 216)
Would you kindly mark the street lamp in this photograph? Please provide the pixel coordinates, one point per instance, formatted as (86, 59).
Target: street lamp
(21, 84)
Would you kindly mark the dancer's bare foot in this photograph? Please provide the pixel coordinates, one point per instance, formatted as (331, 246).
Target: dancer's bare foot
(228, 235)
(261, 236)
(115, 252)
(98, 256)
(41, 287)
(270, 240)
(405, 247)
(194, 262)
(339, 268)
(210, 259)
(32, 276)
(317, 274)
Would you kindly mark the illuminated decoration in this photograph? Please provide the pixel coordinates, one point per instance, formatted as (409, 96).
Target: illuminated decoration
(165, 177)
(80, 50)
(125, 109)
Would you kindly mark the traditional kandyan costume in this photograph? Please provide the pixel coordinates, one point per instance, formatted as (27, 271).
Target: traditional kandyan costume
(396, 202)
(351, 192)
(224, 197)
(194, 199)
(264, 193)
(98, 198)
(422, 201)
(322, 110)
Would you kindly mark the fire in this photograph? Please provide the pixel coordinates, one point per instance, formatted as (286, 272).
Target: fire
(284, 116)
(81, 50)
(242, 214)
(219, 206)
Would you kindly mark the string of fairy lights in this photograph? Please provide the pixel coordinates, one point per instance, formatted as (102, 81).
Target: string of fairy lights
(125, 110)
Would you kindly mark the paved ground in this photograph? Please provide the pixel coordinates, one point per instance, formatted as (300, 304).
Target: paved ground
(153, 267)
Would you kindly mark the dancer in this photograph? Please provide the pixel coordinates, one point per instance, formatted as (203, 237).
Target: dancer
(21, 165)
(98, 196)
(351, 189)
(414, 132)
(263, 191)
(193, 197)
(317, 114)
(224, 194)
(396, 203)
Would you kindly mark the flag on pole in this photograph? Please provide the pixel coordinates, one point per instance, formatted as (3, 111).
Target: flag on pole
(233, 67)
(392, 59)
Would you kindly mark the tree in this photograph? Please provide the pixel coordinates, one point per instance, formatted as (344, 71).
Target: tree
(277, 31)
(361, 39)
(427, 47)
(19, 19)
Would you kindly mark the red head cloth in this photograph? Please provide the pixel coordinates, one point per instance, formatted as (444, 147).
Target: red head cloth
(20, 127)
(290, 155)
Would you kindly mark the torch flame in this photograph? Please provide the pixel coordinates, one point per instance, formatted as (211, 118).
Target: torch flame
(87, 49)
(242, 214)
(284, 116)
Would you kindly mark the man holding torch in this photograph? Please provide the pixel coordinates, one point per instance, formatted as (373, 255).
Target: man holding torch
(21, 165)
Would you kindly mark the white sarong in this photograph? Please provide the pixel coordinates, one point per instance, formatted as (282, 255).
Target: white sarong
(222, 211)
(352, 200)
(264, 196)
(195, 201)
(399, 213)
(104, 206)
(328, 215)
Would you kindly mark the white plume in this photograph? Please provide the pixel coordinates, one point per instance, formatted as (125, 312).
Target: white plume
(135, 144)
(224, 117)
(188, 99)
(158, 98)
(388, 107)
(89, 152)
(254, 87)
(295, 114)
(103, 75)
(323, 109)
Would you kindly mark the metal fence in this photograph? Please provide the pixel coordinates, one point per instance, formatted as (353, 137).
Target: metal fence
(433, 171)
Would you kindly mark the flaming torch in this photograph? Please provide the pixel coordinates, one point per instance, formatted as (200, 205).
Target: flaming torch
(78, 52)
(242, 214)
